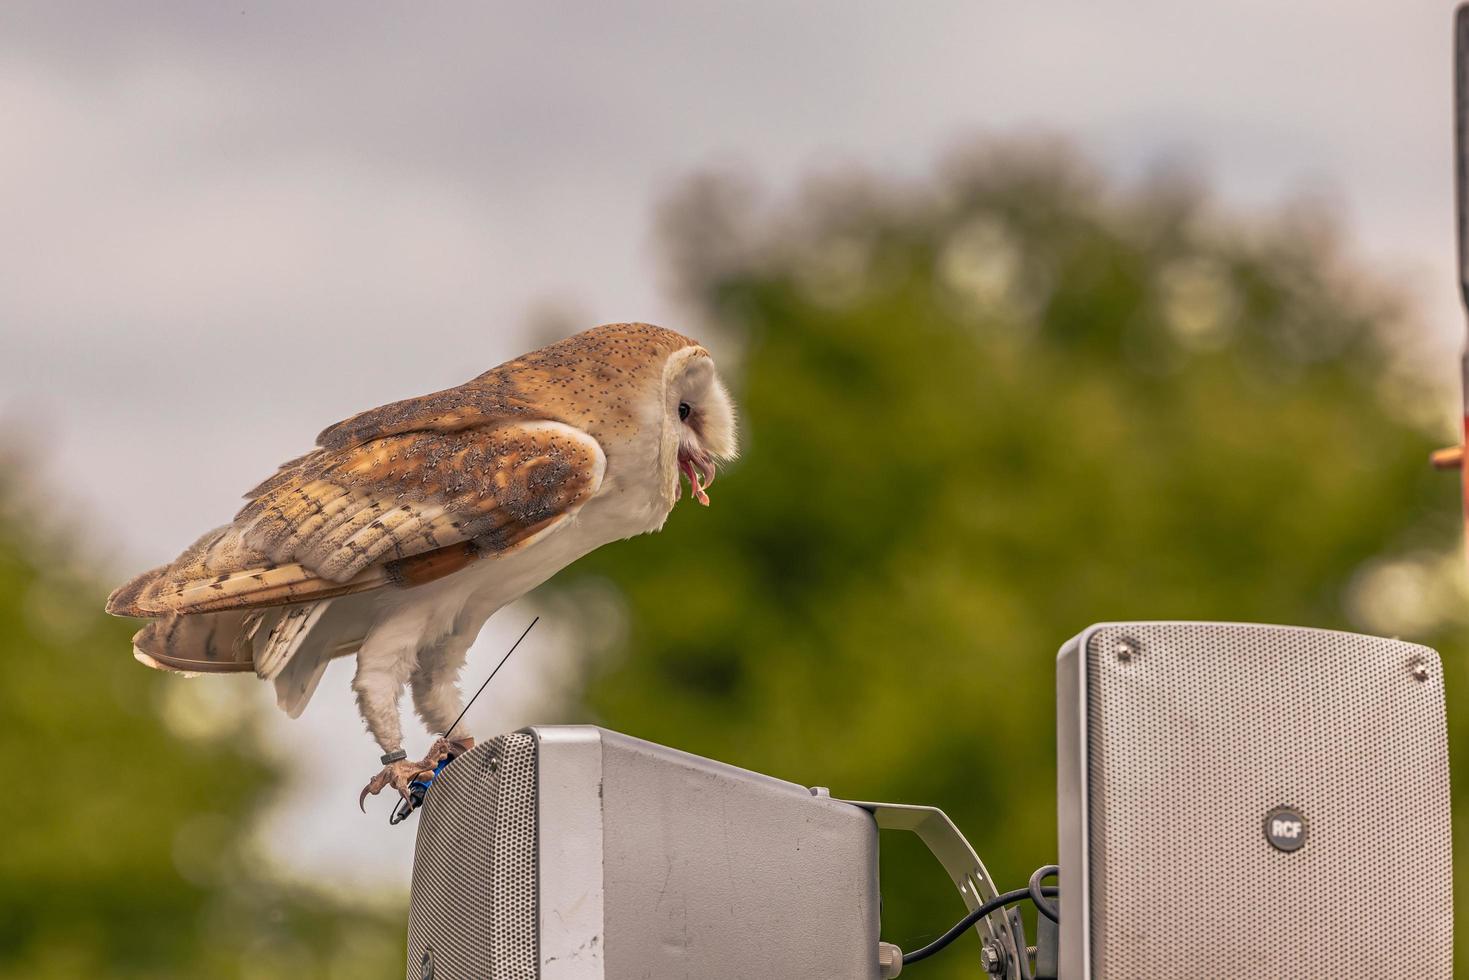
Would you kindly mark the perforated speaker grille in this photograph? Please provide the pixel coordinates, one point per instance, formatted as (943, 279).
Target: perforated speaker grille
(1196, 732)
(473, 909)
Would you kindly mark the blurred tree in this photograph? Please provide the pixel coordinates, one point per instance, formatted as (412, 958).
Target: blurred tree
(978, 415)
(130, 801)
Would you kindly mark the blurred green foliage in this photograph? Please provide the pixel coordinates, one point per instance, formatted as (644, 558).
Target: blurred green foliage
(979, 414)
(127, 840)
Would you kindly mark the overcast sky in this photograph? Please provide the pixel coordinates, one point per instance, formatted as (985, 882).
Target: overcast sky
(223, 226)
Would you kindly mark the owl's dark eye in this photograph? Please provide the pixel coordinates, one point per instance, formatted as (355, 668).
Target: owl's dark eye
(683, 411)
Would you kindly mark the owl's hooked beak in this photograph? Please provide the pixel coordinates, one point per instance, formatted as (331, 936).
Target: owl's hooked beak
(694, 464)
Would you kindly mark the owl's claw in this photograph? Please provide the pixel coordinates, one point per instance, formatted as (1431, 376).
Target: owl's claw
(397, 775)
(402, 773)
(447, 747)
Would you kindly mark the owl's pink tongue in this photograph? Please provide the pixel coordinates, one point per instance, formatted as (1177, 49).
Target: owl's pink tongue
(692, 472)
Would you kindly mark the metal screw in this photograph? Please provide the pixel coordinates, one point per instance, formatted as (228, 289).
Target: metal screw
(992, 959)
(1418, 667)
(1124, 650)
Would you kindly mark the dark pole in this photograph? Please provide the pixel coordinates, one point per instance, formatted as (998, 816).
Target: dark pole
(1454, 456)
(1461, 164)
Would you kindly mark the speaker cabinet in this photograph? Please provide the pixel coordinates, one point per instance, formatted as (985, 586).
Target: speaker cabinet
(1252, 801)
(575, 853)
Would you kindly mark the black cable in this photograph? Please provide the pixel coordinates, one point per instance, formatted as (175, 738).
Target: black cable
(1037, 895)
(967, 923)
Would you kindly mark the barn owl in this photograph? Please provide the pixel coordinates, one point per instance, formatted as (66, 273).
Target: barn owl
(409, 525)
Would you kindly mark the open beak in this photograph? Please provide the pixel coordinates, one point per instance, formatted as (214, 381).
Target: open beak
(698, 466)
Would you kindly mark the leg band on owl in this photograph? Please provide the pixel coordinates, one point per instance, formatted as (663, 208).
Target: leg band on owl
(393, 757)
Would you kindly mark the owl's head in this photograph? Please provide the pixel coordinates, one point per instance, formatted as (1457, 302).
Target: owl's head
(699, 418)
(650, 396)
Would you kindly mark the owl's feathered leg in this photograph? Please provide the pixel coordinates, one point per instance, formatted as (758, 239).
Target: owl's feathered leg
(436, 695)
(435, 686)
(384, 663)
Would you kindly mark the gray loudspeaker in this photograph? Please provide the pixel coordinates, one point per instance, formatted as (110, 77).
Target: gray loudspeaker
(575, 853)
(1252, 801)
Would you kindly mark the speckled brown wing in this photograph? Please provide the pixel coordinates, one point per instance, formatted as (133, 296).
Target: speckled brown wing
(399, 496)
(393, 510)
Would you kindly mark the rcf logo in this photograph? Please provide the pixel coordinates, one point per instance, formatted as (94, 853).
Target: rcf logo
(1285, 829)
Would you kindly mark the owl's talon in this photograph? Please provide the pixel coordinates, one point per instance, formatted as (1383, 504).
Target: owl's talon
(402, 773)
(397, 775)
(444, 747)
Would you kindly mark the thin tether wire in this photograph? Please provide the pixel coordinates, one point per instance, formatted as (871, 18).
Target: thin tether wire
(486, 684)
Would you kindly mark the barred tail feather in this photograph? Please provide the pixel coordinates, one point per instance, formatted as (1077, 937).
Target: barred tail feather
(334, 632)
(297, 681)
(283, 638)
(201, 644)
(291, 646)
